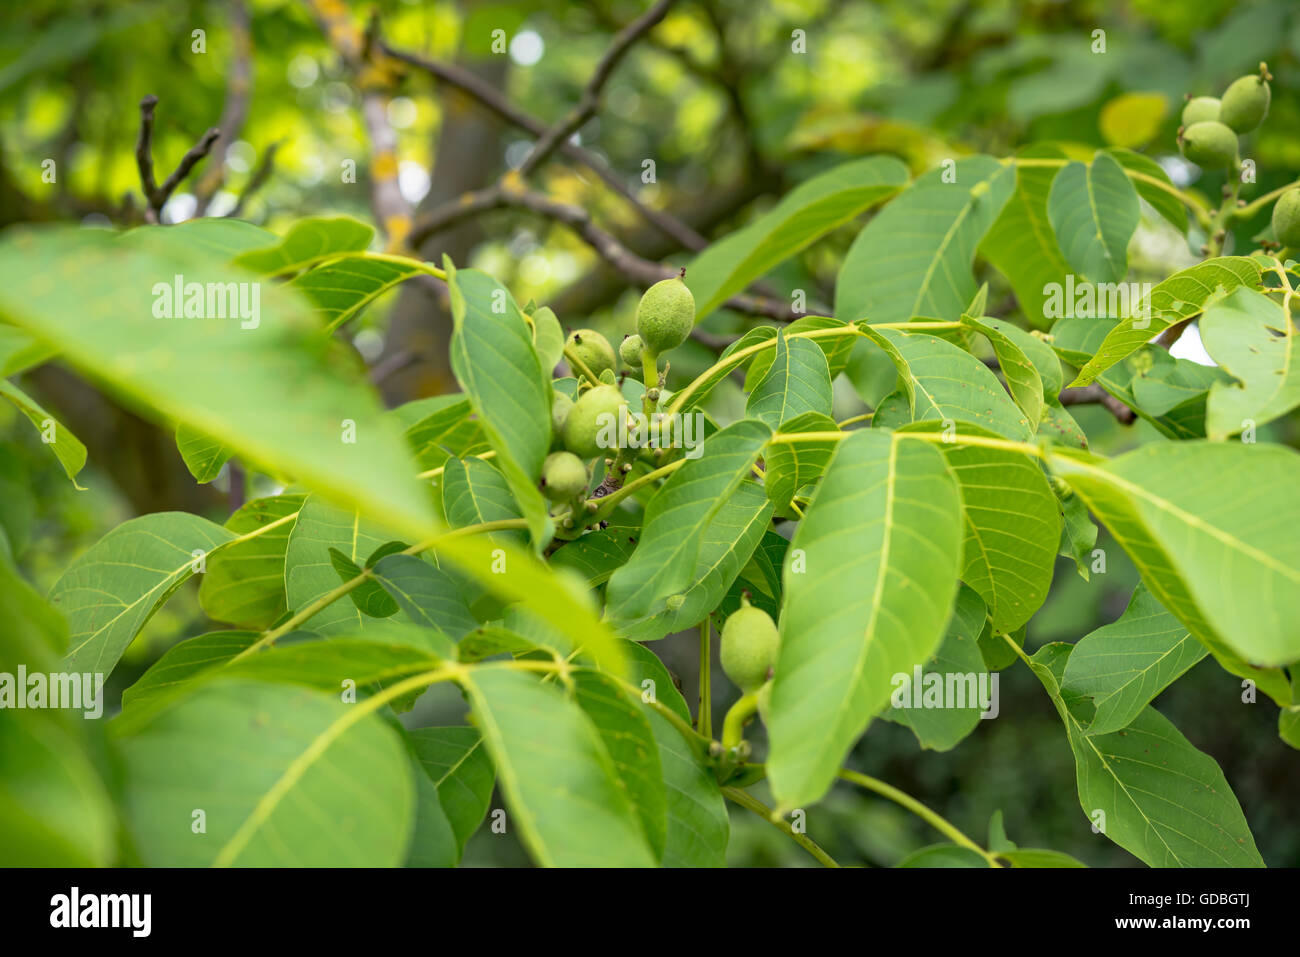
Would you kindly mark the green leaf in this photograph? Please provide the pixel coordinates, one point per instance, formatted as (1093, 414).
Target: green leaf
(548, 339)
(625, 730)
(676, 518)
(55, 810)
(244, 583)
(67, 448)
(1225, 563)
(446, 432)
(837, 349)
(1170, 382)
(870, 598)
(514, 574)
(1038, 857)
(1162, 201)
(368, 596)
(1078, 533)
(203, 456)
(943, 855)
(433, 842)
(1183, 295)
(759, 335)
(427, 594)
(343, 288)
(596, 555)
(492, 345)
(555, 772)
(956, 661)
(1023, 379)
(1162, 800)
(183, 661)
(308, 242)
(278, 394)
(698, 825)
(309, 571)
(1012, 527)
(1021, 243)
(943, 381)
(1123, 666)
(914, 257)
(1094, 212)
(473, 492)
(264, 762)
(812, 209)
(456, 761)
(109, 593)
(798, 381)
(1250, 337)
(725, 546)
(20, 351)
(790, 466)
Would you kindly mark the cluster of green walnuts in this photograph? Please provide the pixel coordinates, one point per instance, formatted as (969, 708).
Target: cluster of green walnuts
(1209, 135)
(664, 318)
(1211, 125)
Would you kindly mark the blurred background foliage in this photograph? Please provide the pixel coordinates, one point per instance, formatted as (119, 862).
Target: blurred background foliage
(732, 115)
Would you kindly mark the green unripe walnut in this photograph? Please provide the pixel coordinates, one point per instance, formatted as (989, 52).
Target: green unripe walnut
(564, 477)
(629, 350)
(1245, 103)
(749, 644)
(1209, 144)
(561, 405)
(1286, 219)
(1201, 109)
(594, 419)
(665, 315)
(593, 349)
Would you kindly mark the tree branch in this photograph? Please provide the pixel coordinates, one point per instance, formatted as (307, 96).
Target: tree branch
(156, 196)
(512, 194)
(1093, 394)
(590, 99)
(488, 97)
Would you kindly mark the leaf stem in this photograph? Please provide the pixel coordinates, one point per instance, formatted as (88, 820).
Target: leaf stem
(736, 796)
(936, 821)
(939, 438)
(1255, 205)
(727, 363)
(434, 473)
(733, 724)
(270, 636)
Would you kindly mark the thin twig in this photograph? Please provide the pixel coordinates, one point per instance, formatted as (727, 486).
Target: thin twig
(1094, 394)
(590, 100)
(492, 100)
(156, 196)
(511, 194)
